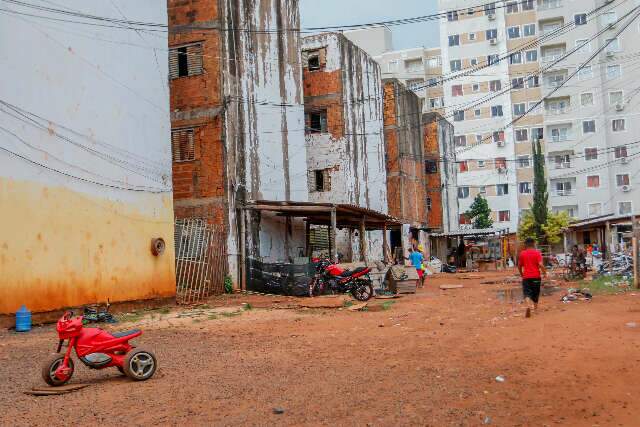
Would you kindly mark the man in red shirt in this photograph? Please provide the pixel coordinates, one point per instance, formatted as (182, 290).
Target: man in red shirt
(531, 268)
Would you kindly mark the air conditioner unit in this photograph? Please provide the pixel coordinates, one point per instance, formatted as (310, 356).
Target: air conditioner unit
(624, 160)
(502, 170)
(491, 17)
(626, 188)
(619, 107)
(610, 54)
(501, 143)
(493, 42)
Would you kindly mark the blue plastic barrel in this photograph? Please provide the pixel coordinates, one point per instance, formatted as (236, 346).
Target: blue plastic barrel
(23, 320)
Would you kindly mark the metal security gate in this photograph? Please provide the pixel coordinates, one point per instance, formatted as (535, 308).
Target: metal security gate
(201, 260)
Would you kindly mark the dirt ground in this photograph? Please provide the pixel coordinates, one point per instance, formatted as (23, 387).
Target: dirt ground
(429, 359)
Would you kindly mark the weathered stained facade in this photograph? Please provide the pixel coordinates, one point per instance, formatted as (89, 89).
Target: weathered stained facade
(406, 191)
(85, 162)
(237, 90)
(344, 131)
(440, 173)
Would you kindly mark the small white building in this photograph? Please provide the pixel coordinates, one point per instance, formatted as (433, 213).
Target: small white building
(85, 161)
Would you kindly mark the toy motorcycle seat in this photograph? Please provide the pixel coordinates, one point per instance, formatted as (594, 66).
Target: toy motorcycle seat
(125, 333)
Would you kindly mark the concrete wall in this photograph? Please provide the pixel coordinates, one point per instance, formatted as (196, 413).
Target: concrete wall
(85, 190)
(196, 102)
(264, 115)
(404, 153)
(349, 87)
(375, 41)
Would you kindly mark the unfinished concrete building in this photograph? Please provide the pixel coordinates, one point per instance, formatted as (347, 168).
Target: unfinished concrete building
(344, 133)
(406, 189)
(440, 173)
(238, 121)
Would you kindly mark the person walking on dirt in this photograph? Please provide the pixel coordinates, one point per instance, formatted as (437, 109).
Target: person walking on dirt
(531, 268)
(416, 258)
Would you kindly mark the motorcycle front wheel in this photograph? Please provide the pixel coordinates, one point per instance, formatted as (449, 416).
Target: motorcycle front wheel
(49, 370)
(362, 291)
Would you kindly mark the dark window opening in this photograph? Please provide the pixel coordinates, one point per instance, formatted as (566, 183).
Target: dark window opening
(183, 62)
(319, 180)
(429, 204)
(431, 166)
(314, 63)
(317, 122)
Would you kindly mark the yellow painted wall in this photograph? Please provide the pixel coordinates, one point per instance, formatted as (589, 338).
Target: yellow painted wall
(61, 248)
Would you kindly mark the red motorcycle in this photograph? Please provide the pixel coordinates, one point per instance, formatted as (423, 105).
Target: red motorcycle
(330, 277)
(98, 349)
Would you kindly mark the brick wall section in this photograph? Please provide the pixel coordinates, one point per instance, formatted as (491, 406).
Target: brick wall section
(323, 89)
(196, 102)
(406, 186)
(433, 180)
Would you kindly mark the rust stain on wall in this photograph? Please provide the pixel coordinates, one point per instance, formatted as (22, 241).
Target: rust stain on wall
(66, 257)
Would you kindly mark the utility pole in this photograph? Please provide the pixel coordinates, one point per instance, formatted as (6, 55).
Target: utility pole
(636, 254)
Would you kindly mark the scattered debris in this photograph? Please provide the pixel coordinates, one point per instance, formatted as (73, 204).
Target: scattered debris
(278, 411)
(487, 420)
(448, 287)
(632, 325)
(501, 379)
(55, 391)
(358, 307)
(577, 295)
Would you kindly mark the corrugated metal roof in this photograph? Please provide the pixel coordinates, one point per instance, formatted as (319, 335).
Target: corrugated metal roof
(473, 232)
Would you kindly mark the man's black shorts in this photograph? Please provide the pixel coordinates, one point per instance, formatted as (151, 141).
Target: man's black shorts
(531, 289)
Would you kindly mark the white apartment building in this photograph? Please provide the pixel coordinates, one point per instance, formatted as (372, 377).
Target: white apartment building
(587, 126)
(420, 69)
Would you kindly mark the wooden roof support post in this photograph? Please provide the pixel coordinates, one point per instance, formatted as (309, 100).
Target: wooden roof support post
(243, 250)
(363, 240)
(332, 235)
(636, 251)
(307, 250)
(386, 252)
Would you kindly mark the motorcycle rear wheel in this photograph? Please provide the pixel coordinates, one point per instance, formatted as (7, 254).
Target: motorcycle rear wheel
(49, 368)
(363, 291)
(140, 364)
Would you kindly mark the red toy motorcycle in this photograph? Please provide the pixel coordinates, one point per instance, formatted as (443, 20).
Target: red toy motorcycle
(98, 349)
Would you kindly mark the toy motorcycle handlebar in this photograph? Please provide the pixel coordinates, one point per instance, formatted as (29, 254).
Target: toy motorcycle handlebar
(68, 315)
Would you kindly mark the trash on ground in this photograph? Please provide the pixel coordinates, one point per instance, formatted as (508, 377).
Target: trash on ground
(55, 391)
(358, 307)
(448, 287)
(577, 295)
(278, 411)
(500, 379)
(632, 325)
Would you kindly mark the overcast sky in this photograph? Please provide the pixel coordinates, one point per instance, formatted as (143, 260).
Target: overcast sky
(319, 13)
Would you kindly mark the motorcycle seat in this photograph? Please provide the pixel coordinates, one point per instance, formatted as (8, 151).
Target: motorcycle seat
(350, 273)
(125, 333)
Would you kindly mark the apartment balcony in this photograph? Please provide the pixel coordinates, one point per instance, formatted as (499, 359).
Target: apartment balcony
(549, 5)
(564, 193)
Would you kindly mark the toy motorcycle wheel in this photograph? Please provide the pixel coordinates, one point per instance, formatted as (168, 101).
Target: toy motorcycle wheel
(49, 370)
(363, 291)
(140, 364)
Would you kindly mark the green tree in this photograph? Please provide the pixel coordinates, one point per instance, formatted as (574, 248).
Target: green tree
(555, 226)
(539, 208)
(480, 213)
(552, 230)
